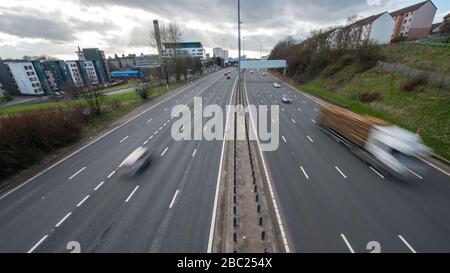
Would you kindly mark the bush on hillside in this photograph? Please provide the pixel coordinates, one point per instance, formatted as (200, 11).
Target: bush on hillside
(412, 84)
(26, 137)
(367, 97)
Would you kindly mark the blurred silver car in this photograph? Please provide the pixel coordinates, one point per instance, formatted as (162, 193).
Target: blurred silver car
(137, 161)
(286, 99)
(276, 85)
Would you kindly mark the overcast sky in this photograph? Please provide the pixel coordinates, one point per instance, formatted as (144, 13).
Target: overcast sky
(56, 27)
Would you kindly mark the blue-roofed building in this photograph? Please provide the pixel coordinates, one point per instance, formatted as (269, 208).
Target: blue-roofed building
(126, 74)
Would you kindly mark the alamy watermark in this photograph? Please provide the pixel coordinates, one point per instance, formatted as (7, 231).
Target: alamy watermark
(190, 124)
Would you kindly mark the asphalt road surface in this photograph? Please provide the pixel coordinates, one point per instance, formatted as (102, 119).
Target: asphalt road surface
(86, 199)
(332, 201)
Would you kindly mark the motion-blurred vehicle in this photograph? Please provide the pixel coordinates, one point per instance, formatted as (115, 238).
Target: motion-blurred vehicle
(251, 72)
(228, 78)
(286, 99)
(388, 148)
(276, 85)
(264, 74)
(137, 161)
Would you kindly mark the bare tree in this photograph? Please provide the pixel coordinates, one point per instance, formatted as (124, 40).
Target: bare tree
(94, 98)
(170, 33)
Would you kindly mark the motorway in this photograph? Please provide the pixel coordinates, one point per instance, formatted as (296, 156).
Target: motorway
(85, 199)
(331, 201)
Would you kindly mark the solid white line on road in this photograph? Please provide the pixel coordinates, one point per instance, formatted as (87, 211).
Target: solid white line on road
(63, 219)
(99, 185)
(111, 174)
(123, 139)
(150, 120)
(219, 177)
(75, 174)
(131, 194)
(173, 199)
(303, 170)
(293, 120)
(299, 109)
(82, 201)
(420, 177)
(375, 171)
(313, 121)
(37, 244)
(347, 243)
(193, 154)
(283, 138)
(407, 244)
(310, 139)
(164, 152)
(434, 166)
(337, 168)
(269, 182)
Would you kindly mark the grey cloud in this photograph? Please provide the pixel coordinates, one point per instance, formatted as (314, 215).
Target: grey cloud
(31, 23)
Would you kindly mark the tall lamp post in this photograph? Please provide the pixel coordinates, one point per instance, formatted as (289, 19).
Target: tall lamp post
(239, 47)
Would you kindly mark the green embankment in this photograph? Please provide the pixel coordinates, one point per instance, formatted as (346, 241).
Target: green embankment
(426, 107)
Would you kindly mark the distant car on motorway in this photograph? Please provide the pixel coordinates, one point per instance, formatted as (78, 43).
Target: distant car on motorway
(251, 72)
(264, 74)
(137, 161)
(228, 78)
(286, 99)
(276, 85)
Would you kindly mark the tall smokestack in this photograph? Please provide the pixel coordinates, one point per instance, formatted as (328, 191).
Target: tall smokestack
(157, 35)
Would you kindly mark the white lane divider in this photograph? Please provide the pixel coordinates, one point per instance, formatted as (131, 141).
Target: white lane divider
(337, 168)
(407, 244)
(131, 194)
(284, 139)
(75, 174)
(164, 152)
(193, 154)
(37, 244)
(347, 243)
(299, 109)
(375, 171)
(99, 185)
(123, 139)
(304, 172)
(313, 121)
(173, 199)
(417, 175)
(82, 201)
(145, 142)
(111, 174)
(310, 139)
(63, 219)
(293, 120)
(150, 120)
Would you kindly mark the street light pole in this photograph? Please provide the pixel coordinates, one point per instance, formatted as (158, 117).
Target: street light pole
(239, 47)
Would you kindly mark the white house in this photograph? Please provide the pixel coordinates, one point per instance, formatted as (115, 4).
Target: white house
(26, 78)
(414, 22)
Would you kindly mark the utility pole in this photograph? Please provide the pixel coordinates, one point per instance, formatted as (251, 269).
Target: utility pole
(239, 47)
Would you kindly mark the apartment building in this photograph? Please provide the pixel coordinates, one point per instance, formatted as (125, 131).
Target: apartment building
(7, 81)
(2, 91)
(185, 49)
(26, 78)
(58, 74)
(375, 29)
(414, 22)
(90, 71)
(100, 62)
(75, 69)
